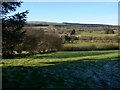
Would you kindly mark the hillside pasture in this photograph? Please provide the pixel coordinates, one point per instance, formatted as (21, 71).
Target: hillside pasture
(88, 45)
(94, 33)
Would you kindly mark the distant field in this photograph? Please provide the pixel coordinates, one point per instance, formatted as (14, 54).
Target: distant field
(76, 69)
(94, 33)
(88, 43)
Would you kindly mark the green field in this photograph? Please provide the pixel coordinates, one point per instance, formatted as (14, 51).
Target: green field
(78, 69)
(88, 43)
(94, 33)
(58, 54)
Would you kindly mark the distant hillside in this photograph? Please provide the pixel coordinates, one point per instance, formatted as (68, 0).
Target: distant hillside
(87, 25)
(40, 23)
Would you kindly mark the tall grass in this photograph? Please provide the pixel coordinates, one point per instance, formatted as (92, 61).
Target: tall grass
(94, 33)
(88, 46)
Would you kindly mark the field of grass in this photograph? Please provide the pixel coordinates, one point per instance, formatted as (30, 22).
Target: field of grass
(90, 45)
(94, 33)
(44, 59)
(77, 69)
(87, 43)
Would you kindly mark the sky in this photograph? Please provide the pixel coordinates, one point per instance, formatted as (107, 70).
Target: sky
(76, 12)
(71, 0)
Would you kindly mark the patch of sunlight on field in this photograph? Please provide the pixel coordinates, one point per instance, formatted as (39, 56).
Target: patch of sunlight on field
(62, 57)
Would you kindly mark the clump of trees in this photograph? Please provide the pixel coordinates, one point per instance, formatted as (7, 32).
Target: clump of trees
(50, 43)
(69, 37)
(37, 41)
(109, 31)
(15, 39)
(72, 32)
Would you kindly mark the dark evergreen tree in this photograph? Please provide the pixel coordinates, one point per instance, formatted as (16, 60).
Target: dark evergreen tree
(72, 32)
(11, 28)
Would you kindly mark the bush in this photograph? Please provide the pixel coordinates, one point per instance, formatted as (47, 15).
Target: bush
(108, 31)
(50, 43)
(37, 40)
(30, 41)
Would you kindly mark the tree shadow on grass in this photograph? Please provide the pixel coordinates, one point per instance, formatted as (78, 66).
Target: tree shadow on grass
(67, 74)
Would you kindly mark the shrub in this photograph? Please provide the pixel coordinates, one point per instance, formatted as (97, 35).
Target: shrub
(50, 43)
(37, 40)
(30, 41)
(108, 31)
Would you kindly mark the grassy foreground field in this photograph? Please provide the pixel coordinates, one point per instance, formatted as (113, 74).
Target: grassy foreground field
(80, 69)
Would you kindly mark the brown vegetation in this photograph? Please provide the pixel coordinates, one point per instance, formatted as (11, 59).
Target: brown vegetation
(40, 41)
